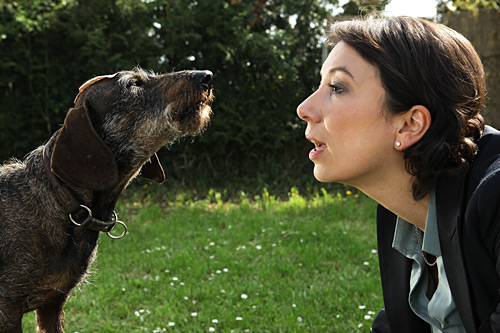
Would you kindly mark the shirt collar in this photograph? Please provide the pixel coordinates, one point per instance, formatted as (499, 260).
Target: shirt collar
(431, 243)
(405, 239)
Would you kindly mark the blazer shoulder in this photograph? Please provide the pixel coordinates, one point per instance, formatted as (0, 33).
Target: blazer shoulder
(488, 144)
(483, 188)
(485, 169)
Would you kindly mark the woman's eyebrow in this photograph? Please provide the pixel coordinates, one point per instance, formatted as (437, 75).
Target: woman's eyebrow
(341, 69)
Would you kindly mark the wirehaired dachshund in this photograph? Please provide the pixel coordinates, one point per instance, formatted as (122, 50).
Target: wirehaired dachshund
(54, 204)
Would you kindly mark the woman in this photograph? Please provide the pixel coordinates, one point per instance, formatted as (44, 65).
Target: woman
(397, 116)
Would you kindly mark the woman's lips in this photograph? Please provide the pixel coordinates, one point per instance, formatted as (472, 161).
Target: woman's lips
(317, 150)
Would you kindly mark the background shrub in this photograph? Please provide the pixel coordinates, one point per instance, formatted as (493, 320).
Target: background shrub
(265, 56)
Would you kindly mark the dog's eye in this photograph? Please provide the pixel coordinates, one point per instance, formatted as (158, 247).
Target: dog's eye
(136, 82)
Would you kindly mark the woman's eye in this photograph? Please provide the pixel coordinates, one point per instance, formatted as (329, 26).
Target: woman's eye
(336, 88)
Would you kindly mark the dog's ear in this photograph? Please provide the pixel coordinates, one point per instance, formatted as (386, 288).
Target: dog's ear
(153, 170)
(80, 157)
(91, 82)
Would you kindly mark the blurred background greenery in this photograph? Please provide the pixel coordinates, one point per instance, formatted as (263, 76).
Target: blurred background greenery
(265, 54)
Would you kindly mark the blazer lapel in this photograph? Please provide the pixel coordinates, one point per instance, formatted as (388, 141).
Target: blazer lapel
(395, 272)
(449, 195)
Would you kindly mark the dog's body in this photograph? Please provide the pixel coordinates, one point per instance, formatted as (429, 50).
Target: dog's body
(110, 136)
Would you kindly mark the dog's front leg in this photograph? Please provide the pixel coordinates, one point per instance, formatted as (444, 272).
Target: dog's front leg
(50, 317)
(10, 322)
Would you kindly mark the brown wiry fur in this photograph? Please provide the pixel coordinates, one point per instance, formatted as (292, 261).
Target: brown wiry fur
(43, 256)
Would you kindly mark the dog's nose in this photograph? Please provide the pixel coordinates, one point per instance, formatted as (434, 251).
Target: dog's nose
(205, 78)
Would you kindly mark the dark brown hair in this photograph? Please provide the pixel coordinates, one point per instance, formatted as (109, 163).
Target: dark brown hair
(425, 63)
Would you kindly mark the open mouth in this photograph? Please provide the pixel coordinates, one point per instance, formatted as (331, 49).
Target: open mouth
(206, 99)
(318, 146)
(198, 106)
(205, 106)
(195, 119)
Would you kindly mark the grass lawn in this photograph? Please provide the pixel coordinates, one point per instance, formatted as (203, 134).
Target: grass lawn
(248, 265)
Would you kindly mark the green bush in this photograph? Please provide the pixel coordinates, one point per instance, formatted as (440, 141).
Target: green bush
(265, 57)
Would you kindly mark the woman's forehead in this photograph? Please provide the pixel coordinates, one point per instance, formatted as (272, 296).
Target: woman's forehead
(344, 59)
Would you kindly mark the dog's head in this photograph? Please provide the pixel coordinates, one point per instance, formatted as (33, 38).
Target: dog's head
(119, 122)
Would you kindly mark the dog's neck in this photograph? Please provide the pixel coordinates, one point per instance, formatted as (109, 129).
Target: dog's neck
(73, 207)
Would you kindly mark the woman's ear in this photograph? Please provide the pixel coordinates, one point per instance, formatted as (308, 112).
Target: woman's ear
(413, 126)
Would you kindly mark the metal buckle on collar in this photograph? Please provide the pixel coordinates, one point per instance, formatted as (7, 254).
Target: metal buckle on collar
(85, 221)
(115, 219)
(98, 225)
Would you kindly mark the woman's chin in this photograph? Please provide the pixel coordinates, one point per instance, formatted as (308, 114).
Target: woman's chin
(320, 176)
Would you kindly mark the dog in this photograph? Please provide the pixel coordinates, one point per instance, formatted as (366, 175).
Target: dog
(54, 204)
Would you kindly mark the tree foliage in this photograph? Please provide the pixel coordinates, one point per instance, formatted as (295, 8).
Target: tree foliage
(363, 7)
(466, 5)
(265, 56)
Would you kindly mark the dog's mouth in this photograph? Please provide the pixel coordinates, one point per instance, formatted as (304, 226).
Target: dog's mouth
(205, 107)
(203, 114)
(206, 100)
(193, 118)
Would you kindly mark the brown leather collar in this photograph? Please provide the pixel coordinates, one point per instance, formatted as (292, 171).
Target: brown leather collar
(72, 206)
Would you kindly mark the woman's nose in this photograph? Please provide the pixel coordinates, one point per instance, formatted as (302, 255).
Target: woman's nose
(308, 111)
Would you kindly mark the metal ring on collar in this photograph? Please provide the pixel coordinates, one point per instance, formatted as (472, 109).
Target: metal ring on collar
(115, 217)
(78, 224)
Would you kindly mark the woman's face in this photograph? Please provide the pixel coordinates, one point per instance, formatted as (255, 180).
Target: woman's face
(353, 135)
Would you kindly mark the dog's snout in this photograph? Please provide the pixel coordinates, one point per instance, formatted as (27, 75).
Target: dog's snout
(204, 77)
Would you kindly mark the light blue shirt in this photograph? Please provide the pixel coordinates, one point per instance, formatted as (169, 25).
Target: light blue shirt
(440, 311)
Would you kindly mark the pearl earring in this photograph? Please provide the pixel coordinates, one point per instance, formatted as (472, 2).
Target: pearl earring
(398, 144)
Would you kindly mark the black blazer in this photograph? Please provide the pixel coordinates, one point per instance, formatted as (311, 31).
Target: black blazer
(468, 217)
